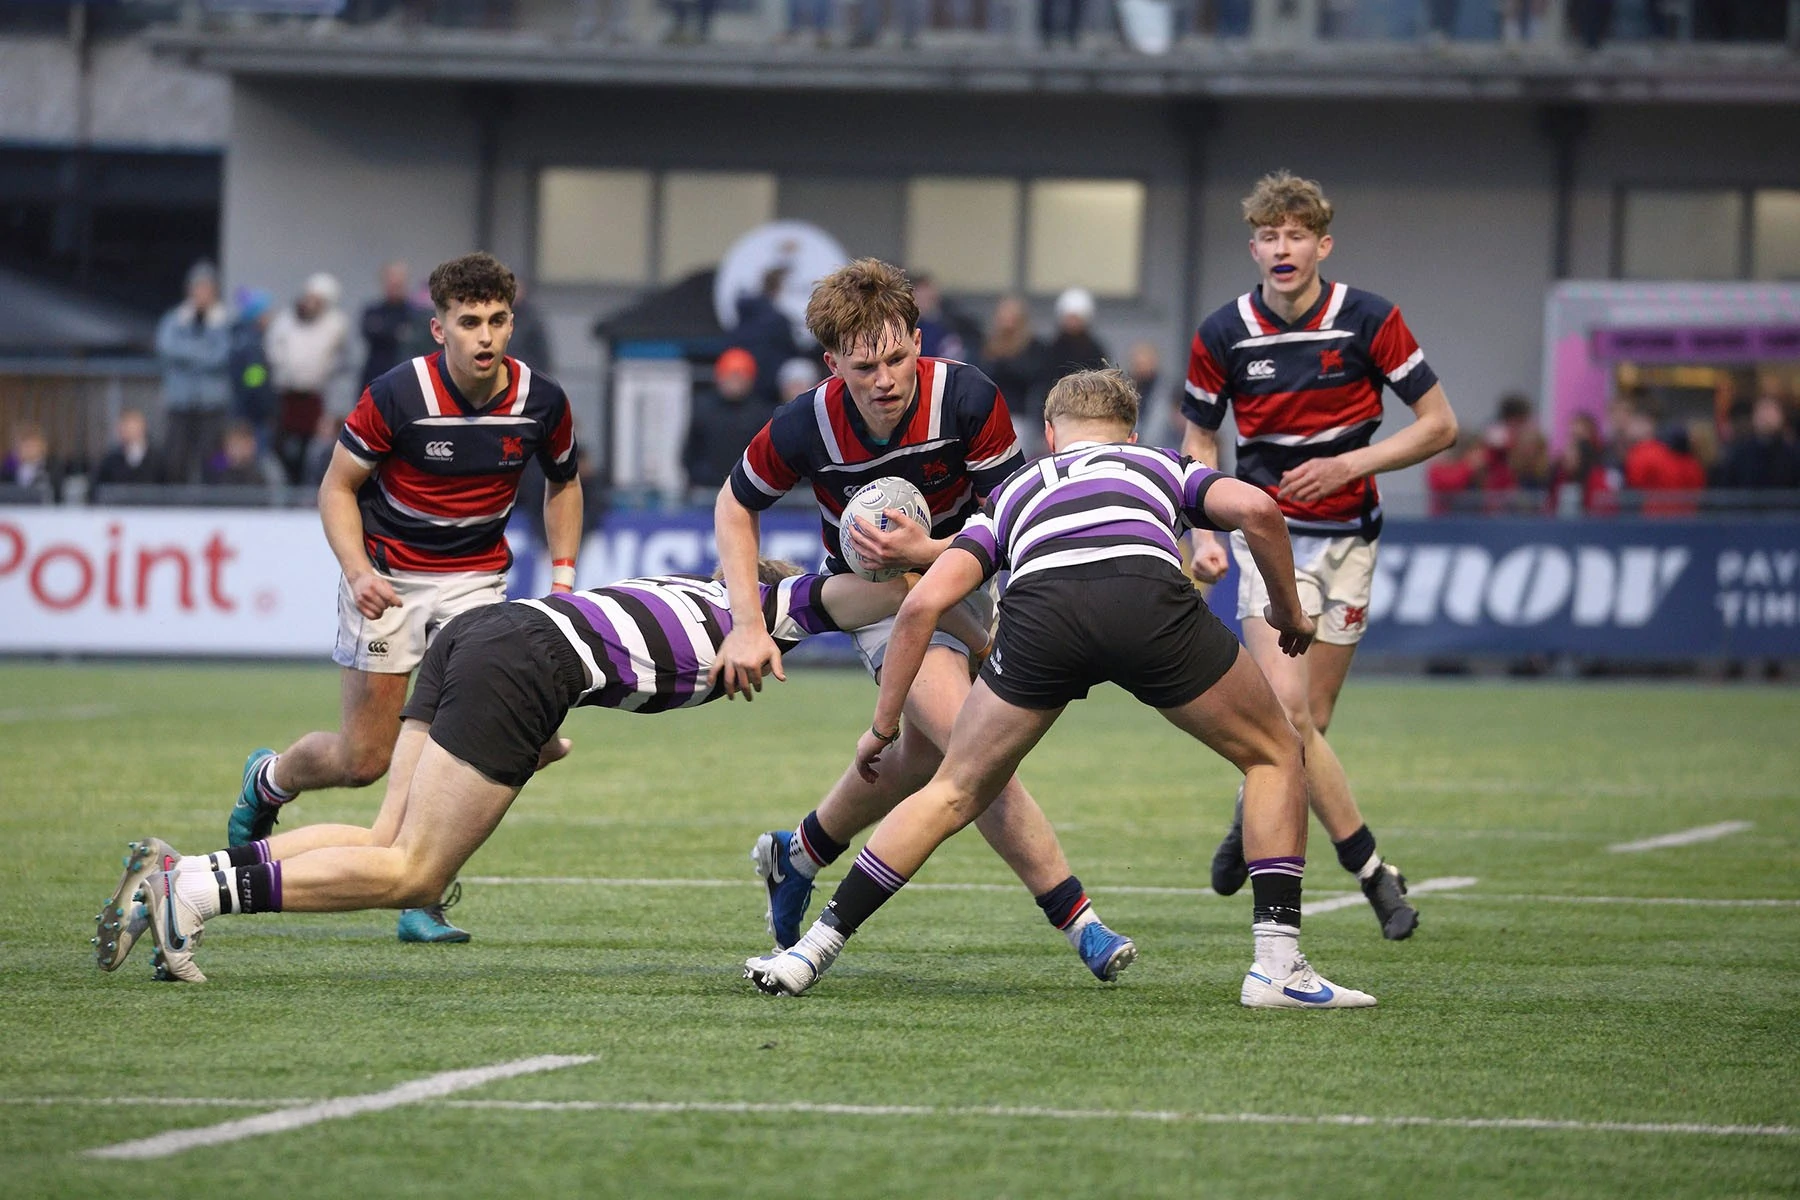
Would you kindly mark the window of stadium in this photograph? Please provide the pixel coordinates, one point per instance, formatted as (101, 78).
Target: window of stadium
(703, 212)
(1775, 230)
(965, 231)
(593, 226)
(1084, 233)
(1681, 234)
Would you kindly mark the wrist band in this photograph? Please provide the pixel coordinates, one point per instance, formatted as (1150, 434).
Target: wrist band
(886, 739)
(562, 575)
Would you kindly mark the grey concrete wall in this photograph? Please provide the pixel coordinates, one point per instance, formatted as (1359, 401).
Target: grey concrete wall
(1447, 209)
(128, 97)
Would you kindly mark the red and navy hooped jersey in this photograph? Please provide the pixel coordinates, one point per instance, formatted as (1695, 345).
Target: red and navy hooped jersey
(955, 443)
(446, 472)
(1306, 389)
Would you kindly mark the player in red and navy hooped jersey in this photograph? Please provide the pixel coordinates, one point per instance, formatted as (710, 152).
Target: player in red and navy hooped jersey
(943, 426)
(1302, 364)
(414, 505)
(1097, 595)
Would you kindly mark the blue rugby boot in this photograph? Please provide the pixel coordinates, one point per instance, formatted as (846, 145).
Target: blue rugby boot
(252, 818)
(429, 925)
(1106, 953)
(789, 891)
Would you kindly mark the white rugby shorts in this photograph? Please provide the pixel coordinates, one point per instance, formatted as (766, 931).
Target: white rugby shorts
(872, 640)
(1333, 576)
(394, 643)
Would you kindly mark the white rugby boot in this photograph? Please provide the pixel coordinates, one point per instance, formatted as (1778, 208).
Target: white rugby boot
(1304, 988)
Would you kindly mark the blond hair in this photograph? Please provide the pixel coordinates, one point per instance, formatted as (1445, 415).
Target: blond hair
(1107, 395)
(858, 304)
(1281, 197)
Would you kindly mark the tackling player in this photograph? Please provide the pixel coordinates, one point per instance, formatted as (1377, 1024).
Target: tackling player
(942, 426)
(414, 505)
(493, 689)
(1303, 362)
(1096, 595)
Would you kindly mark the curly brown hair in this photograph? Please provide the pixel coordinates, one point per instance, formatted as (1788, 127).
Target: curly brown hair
(1107, 395)
(856, 305)
(1282, 196)
(472, 279)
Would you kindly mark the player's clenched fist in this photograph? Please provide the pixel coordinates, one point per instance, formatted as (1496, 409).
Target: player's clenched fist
(373, 594)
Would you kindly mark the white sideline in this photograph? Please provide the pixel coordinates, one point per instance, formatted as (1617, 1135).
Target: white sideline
(1163, 1116)
(429, 1088)
(1447, 883)
(1686, 837)
(1349, 899)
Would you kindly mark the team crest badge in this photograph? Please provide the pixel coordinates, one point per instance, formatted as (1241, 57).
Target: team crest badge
(512, 448)
(1331, 362)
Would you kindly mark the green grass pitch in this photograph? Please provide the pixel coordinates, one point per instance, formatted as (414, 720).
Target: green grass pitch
(1513, 1000)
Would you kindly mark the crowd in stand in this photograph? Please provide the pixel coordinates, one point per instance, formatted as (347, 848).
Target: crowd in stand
(1643, 463)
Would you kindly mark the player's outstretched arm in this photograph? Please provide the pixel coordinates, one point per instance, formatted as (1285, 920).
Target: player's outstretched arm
(955, 574)
(342, 518)
(1433, 429)
(1233, 504)
(562, 530)
(748, 652)
(1210, 560)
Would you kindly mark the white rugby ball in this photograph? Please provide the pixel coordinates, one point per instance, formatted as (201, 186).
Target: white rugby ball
(869, 506)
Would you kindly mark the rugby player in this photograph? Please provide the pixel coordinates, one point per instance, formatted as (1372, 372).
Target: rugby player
(1096, 595)
(1303, 363)
(943, 426)
(414, 505)
(493, 689)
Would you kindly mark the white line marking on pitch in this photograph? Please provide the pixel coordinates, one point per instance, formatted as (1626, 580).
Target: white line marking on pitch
(281, 1120)
(1117, 1114)
(1680, 901)
(1355, 899)
(1686, 837)
(1162, 1116)
(69, 712)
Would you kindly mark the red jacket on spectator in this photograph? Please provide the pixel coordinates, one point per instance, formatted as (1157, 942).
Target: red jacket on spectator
(1651, 466)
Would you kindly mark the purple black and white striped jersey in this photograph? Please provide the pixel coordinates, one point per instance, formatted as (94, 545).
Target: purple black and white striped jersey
(1091, 502)
(648, 644)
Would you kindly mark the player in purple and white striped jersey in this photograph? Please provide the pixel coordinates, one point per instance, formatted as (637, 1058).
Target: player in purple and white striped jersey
(492, 692)
(1097, 595)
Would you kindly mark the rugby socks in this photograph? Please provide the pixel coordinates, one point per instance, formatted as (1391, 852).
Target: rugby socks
(232, 890)
(253, 855)
(1356, 853)
(267, 790)
(815, 848)
(1068, 908)
(869, 884)
(1275, 919)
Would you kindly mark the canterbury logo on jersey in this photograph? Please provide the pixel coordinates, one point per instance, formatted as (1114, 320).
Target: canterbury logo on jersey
(1262, 368)
(439, 451)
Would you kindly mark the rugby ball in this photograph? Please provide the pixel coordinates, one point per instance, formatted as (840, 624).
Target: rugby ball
(869, 505)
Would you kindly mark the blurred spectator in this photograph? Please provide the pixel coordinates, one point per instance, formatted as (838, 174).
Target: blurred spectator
(695, 13)
(530, 342)
(1512, 416)
(193, 347)
(943, 331)
(1060, 20)
(875, 15)
(318, 450)
(1581, 465)
(240, 462)
(131, 458)
(1528, 461)
(1765, 456)
(1456, 475)
(1652, 465)
(252, 395)
(1017, 361)
(306, 344)
(1143, 366)
(392, 328)
(764, 330)
(797, 377)
(27, 464)
(725, 416)
(1074, 348)
(810, 16)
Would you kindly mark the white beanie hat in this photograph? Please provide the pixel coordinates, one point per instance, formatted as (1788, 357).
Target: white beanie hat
(1075, 302)
(324, 286)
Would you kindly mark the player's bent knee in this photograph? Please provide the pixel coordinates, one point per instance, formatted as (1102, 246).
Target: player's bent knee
(365, 769)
